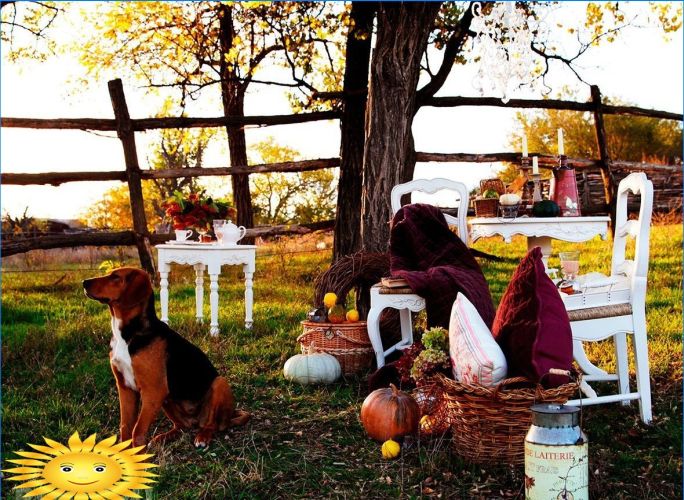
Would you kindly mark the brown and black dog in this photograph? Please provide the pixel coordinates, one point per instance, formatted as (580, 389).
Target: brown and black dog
(155, 368)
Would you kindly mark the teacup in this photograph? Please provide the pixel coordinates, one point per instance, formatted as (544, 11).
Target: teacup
(183, 234)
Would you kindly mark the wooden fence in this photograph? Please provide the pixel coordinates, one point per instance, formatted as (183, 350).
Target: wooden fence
(597, 195)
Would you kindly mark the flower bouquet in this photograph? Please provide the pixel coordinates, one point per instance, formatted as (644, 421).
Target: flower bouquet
(196, 211)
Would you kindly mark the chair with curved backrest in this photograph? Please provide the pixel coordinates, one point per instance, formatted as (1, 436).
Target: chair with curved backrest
(614, 306)
(404, 299)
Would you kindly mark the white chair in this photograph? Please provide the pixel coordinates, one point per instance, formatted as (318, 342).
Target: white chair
(615, 306)
(404, 299)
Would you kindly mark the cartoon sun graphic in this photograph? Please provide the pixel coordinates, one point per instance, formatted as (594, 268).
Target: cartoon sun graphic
(83, 470)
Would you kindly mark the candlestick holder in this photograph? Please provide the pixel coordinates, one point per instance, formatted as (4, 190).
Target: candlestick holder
(536, 194)
(527, 185)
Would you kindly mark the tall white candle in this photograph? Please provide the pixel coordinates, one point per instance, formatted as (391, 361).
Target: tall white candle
(524, 146)
(535, 165)
(561, 149)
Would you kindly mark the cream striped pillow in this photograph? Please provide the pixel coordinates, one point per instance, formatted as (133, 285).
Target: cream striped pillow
(476, 358)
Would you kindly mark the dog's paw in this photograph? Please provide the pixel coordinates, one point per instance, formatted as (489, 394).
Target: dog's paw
(202, 439)
(201, 444)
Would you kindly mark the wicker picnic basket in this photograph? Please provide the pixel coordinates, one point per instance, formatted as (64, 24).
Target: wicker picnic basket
(348, 342)
(489, 424)
(489, 207)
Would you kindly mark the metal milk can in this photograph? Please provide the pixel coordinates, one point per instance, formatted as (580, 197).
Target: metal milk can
(556, 455)
(563, 189)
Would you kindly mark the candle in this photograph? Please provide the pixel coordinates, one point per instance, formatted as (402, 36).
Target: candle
(561, 149)
(524, 146)
(535, 165)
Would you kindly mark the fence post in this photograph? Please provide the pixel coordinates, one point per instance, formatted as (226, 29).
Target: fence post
(124, 129)
(607, 176)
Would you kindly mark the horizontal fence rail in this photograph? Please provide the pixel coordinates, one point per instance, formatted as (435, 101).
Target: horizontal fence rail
(455, 101)
(545, 161)
(57, 178)
(142, 124)
(127, 238)
(596, 177)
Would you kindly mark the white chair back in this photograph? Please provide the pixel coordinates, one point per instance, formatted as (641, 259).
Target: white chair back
(636, 183)
(431, 186)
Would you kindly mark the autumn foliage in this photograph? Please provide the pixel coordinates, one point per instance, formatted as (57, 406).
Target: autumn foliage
(196, 211)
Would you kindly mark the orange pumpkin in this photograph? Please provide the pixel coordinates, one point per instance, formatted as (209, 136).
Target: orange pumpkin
(389, 413)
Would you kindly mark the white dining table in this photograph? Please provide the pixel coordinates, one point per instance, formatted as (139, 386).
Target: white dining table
(540, 231)
(209, 256)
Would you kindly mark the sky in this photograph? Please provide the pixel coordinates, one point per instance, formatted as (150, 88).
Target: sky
(640, 67)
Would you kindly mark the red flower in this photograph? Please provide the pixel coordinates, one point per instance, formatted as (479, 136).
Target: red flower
(196, 210)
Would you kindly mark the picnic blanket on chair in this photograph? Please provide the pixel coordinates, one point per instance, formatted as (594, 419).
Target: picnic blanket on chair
(436, 264)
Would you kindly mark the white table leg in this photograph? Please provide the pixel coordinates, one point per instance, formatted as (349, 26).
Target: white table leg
(249, 295)
(213, 300)
(164, 269)
(544, 242)
(199, 292)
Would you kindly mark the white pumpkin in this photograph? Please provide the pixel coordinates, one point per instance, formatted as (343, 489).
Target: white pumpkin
(312, 368)
(509, 199)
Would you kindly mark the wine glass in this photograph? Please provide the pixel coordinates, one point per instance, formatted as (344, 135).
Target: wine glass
(203, 232)
(569, 265)
(218, 229)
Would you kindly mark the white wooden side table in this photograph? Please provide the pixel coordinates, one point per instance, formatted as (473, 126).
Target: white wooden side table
(541, 230)
(210, 256)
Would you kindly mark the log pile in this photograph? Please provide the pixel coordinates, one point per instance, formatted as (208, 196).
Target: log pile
(667, 187)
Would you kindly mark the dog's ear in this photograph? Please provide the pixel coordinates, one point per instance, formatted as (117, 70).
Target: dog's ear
(138, 288)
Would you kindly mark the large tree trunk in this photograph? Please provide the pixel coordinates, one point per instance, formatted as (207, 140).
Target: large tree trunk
(233, 98)
(389, 155)
(348, 216)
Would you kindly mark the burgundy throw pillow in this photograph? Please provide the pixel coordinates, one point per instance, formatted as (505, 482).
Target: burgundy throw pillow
(532, 325)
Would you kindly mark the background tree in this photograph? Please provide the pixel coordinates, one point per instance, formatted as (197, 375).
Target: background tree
(402, 39)
(113, 210)
(347, 233)
(25, 27)
(175, 149)
(284, 198)
(389, 154)
(629, 138)
(194, 45)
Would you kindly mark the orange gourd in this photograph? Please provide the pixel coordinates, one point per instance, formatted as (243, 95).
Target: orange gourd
(389, 413)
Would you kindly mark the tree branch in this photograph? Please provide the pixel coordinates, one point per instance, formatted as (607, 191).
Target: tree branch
(451, 50)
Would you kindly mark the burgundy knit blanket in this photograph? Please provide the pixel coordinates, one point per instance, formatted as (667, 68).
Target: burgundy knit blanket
(436, 264)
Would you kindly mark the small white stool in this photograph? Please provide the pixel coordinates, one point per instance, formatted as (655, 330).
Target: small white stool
(402, 299)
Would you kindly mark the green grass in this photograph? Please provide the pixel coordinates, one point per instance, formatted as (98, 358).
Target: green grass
(307, 441)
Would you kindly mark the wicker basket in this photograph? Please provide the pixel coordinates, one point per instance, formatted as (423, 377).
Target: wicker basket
(348, 342)
(489, 207)
(489, 424)
(486, 208)
(493, 184)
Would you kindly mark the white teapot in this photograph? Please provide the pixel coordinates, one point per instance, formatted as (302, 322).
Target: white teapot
(229, 234)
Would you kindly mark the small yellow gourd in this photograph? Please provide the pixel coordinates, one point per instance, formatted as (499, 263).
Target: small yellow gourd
(390, 449)
(426, 424)
(352, 315)
(329, 300)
